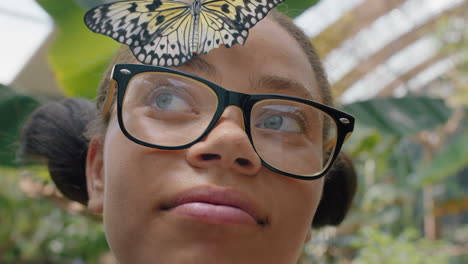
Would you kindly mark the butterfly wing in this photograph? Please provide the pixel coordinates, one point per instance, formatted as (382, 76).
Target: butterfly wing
(172, 46)
(215, 31)
(249, 12)
(165, 33)
(155, 31)
(227, 21)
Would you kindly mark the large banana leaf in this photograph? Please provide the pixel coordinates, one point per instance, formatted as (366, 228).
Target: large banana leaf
(78, 56)
(14, 109)
(401, 116)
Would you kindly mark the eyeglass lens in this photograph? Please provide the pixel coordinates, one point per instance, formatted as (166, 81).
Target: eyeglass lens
(171, 110)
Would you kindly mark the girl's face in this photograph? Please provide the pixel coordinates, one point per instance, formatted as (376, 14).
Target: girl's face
(213, 202)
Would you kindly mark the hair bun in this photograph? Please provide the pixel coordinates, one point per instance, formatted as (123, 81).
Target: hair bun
(338, 193)
(55, 132)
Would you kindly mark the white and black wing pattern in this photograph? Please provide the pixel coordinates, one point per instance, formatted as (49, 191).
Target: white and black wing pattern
(228, 21)
(155, 31)
(172, 45)
(169, 33)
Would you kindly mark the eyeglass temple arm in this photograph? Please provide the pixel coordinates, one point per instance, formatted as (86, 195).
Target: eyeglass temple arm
(109, 98)
(330, 142)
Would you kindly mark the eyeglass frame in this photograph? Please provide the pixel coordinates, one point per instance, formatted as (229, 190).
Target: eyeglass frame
(122, 74)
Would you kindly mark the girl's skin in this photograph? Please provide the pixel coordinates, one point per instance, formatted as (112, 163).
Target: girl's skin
(133, 186)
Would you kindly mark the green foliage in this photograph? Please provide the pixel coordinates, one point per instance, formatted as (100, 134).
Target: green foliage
(401, 116)
(38, 231)
(78, 56)
(15, 108)
(393, 169)
(293, 8)
(376, 246)
(88, 4)
(452, 159)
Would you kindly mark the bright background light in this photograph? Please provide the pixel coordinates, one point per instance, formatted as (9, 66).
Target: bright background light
(24, 27)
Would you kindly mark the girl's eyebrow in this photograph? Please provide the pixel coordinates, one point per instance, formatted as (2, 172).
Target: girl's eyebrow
(201, 65)
(272, 82)
(278, 83)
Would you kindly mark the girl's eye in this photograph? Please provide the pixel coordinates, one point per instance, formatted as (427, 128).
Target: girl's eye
(280, 122)
(170, 102)
(273, 122)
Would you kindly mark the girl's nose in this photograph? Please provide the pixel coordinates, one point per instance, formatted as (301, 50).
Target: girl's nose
(227, 146)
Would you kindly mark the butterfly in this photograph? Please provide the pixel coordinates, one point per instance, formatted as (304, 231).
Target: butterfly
(169, 33)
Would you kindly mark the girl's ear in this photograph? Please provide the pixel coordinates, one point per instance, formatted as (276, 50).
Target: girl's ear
(95, 176)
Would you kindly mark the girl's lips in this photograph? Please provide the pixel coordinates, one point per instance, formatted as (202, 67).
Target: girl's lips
(215, 205)
(212, 213)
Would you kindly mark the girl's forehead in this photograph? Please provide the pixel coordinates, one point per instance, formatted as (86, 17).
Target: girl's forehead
(267, 41)
(270, 51)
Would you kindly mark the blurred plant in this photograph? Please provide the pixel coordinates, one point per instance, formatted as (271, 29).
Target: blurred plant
(407, 247)
(396, 168)
(453, 32)
(15, 107)
(34, 229)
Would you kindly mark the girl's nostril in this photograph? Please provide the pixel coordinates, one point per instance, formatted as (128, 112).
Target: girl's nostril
(243, 162)
(210, 157)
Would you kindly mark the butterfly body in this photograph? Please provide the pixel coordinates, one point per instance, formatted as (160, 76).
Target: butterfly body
(195, 11)
(169, 33)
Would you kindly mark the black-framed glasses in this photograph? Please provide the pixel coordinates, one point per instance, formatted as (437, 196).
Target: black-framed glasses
(169, 109)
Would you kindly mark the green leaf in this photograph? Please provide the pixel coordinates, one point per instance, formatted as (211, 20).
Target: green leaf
(401, 116)
(88, 4)
(293, 8)
(452, 159)
(78, 56)
(34, 230)
(14, 108)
